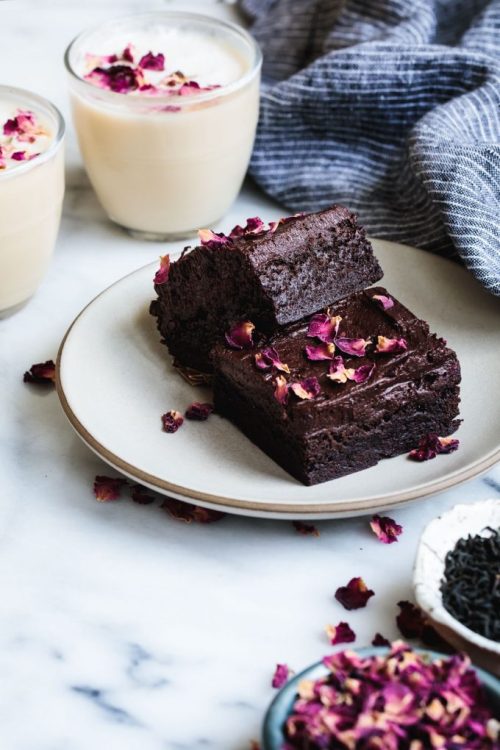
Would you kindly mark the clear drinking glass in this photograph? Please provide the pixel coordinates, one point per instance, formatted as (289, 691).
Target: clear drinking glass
(163, 168)
(31, 195)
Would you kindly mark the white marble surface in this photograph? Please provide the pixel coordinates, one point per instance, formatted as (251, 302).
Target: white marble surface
(119, 627)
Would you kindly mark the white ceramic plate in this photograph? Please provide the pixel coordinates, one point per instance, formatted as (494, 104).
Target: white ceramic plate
(115, 380)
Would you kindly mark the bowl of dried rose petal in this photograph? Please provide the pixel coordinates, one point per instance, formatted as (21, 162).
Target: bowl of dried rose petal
(396, 698)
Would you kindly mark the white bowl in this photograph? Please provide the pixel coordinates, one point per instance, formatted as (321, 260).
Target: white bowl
(438, 538)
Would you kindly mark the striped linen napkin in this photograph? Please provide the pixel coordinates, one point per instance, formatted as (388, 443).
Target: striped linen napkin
(391, 107)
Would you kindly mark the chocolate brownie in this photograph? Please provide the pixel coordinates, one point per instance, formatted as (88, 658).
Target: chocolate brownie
(387, 382)
(273, 276)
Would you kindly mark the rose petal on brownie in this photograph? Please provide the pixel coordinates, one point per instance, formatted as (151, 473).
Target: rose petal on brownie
(306, 529)
(172, 420)
(141, 495)
(386, 529)
(108, 488)
(268, 358)
(213, 239)
(338, 371)
(149, 61)
(320, 352)
(43, 373)
(448, 444)
(254, 225)
(281, 390)
(306, 389)
(189, 513)
(199, 412)
(385, 302)
(240, 335)
(324, 327)
(410, 620)
(281, 675)
(362, 373)
(341, 633)
(379, 640)
(162, 274)
(354, 347)
(390, 346)
(355, 595)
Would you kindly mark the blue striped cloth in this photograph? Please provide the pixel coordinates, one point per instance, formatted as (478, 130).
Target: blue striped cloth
(391, 107)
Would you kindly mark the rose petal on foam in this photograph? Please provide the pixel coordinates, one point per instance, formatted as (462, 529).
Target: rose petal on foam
(320, 351)
(353, 347)
(390, 346)
(338, 371)
(341, 633)
(385, 302)
(43, 373)
(281, 390)
(162, 274)
(172, 420)
(306, 529)
(385, 529)
(240, 336)
(268, 358)
(128, 53)
(22, 123)
(281, 675)
(355, 595)
(188, 513)
(379, 640)
(118, 78)
(188, 88)
(108, 488)
(324, 327)
(306, 389)
(199, 412)
(149, 61)
(141, 495)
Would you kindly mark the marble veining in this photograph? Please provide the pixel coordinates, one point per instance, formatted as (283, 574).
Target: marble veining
(120, 627)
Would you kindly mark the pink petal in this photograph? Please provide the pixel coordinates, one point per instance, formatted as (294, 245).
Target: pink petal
(108, 488)
(385, 302)
(362, 373)
(324, 327)
(161, 276)
(152, 62)
(338, 371)
(172, 420)
(430, 445)
(379, 640)
(240, 335)
(43, 373)
(199, 412)
(341, 633)
(355, 595)
(213, 239)
(281, 390)
(268, 358)
(390, 346)
(254, 225)
(386, 529)
(306, 389)
(281, 675)
(354, 347)
(320, 352)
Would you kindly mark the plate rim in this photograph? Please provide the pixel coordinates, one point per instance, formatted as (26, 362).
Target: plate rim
(340, 508)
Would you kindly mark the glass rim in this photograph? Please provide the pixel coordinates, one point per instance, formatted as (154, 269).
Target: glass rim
(173, 15)
(47, 105)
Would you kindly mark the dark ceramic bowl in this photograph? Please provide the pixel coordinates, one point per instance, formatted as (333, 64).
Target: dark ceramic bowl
(281, 707)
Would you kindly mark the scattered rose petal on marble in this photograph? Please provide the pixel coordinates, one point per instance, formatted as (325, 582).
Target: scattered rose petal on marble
(240, 336)
(306, 529)
(390, 346)
(282, 674)
(355, 595)
(385, 529)
(410, 620)
(268, 358)
(281, 390)
(323, 351)
(324, 327)
(162, 274)
(199, 412)
(353, 347)
(141, 495)
(172, 420)
(189, 513)
(108, 488)
(379, 640)
(43, 373)
(149, 61)
(385, 302)
(306, 389)
(341, 633)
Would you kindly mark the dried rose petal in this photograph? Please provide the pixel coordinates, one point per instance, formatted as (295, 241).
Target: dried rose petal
(118, 78)
(254, 225)
(363, 373)
(324, 327)
(128, 53)
(188, 513)
(212, 239)
(355, 595)
(306, 389)
(172, 420)
(338, 371)
(430, 445)
(410, 620)
(448, 444)
(341, 633)
(281, 675)
(191, 87)
(199, 412)
(386, 529)
(141, 495)
(108, 488)
(161, 276)
(152, 62)
(43, 373)
(379, 640)
(268, 358)
(385, 302)
(306, 529)
(281, 390)
(320, 352)
(390, 346)
(354, 347)
(240, 335)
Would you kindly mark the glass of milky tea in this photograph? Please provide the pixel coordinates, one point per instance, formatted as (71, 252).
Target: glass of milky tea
(165, 105)
(31, 192)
